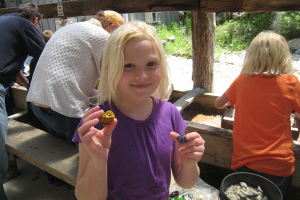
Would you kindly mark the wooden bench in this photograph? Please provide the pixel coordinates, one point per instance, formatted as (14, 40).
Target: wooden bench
(47, 152)
(60, 158)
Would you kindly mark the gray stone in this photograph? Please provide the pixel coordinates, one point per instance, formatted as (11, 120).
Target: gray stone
(294, 43)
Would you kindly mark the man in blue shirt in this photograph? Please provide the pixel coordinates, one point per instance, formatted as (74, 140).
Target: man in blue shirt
(19, 37)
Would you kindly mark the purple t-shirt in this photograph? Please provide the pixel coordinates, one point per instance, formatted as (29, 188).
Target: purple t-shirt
(141, 152)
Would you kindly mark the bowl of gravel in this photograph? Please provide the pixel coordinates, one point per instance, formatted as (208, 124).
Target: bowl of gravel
(245, 185)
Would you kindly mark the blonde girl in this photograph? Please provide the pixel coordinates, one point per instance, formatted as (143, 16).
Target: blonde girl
(133, 156)
(264, 95)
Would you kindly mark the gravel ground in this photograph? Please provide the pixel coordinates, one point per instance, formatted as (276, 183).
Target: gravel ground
(226, 68)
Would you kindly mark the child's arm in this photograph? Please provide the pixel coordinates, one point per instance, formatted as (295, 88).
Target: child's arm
(186, 157)
(93, 155)
(222, 101)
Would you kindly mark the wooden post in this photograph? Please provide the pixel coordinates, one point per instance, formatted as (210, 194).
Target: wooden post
(203, 28)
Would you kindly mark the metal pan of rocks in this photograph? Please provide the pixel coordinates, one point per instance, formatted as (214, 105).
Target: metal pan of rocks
(244, 185)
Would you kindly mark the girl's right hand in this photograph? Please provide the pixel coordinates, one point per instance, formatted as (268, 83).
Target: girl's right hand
(97, 142)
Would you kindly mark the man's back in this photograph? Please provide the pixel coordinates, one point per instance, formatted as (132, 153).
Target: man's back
(19, 38)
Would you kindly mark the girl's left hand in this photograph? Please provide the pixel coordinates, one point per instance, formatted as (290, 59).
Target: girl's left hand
(191, 151)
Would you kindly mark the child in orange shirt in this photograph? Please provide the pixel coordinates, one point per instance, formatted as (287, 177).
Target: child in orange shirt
(264, 94)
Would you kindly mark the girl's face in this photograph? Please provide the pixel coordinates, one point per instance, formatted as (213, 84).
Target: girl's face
(142, 70)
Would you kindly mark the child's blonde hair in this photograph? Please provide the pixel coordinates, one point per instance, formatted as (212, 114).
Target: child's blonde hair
(47, 35)
(268, 54)
(112, 61)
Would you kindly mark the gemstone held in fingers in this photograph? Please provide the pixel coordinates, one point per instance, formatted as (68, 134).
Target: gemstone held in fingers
(181, 139)
(107, 117)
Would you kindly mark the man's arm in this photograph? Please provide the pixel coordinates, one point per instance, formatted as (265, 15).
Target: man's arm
(22, 80)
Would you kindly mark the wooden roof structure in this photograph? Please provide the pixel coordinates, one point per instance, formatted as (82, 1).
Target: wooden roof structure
(203, 21)
(90, 7)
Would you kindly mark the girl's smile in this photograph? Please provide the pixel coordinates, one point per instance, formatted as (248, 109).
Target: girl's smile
(141, 86)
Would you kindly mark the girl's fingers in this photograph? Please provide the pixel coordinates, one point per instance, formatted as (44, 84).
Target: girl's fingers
(87, 136)
(85, 127)
(194, 155)
(192, 139)
(174, 136)
(110, 127)
(192, 136)
(92, 114)
(191, 149)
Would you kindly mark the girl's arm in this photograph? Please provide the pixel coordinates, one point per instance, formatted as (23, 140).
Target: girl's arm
(92, 177)
(186, 157)
(93, 155)
(222, 101)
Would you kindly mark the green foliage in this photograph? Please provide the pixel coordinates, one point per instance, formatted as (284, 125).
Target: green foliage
(237, 34)
(181, 45)
(232, 34)
(288, 24)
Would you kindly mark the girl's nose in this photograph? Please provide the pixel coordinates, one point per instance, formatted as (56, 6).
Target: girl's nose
(142, 74)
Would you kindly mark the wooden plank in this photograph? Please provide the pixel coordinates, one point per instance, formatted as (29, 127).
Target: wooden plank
(17, 115)
(249, 5)
(218, 144)
(135, 6)
(19, 94)
(227, 123)
(218, 147)
(228, 111)
(205, 103)
(188, 98)
(91, 7)
(70, 8)
(51, 154)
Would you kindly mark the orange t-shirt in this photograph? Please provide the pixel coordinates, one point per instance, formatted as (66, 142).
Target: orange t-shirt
(262, 137)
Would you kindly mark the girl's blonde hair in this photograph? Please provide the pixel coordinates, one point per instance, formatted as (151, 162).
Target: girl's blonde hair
(112, 61)
(268, 54)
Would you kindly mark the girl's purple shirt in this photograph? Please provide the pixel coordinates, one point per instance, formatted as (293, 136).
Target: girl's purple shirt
(141, 153)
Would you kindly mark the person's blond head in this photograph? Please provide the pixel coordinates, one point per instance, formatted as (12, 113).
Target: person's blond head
(268, 54)
(47, 35)
(112, 61)
(109, 17)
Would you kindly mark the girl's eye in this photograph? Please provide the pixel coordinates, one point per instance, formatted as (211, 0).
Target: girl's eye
(129, 66)
(151, 64)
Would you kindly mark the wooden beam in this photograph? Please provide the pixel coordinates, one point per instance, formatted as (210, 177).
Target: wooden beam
(133, 6)
(203, 36)
(188, 98)
(91, 7)
(70, 8)
(249, 5)
(205, 103)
